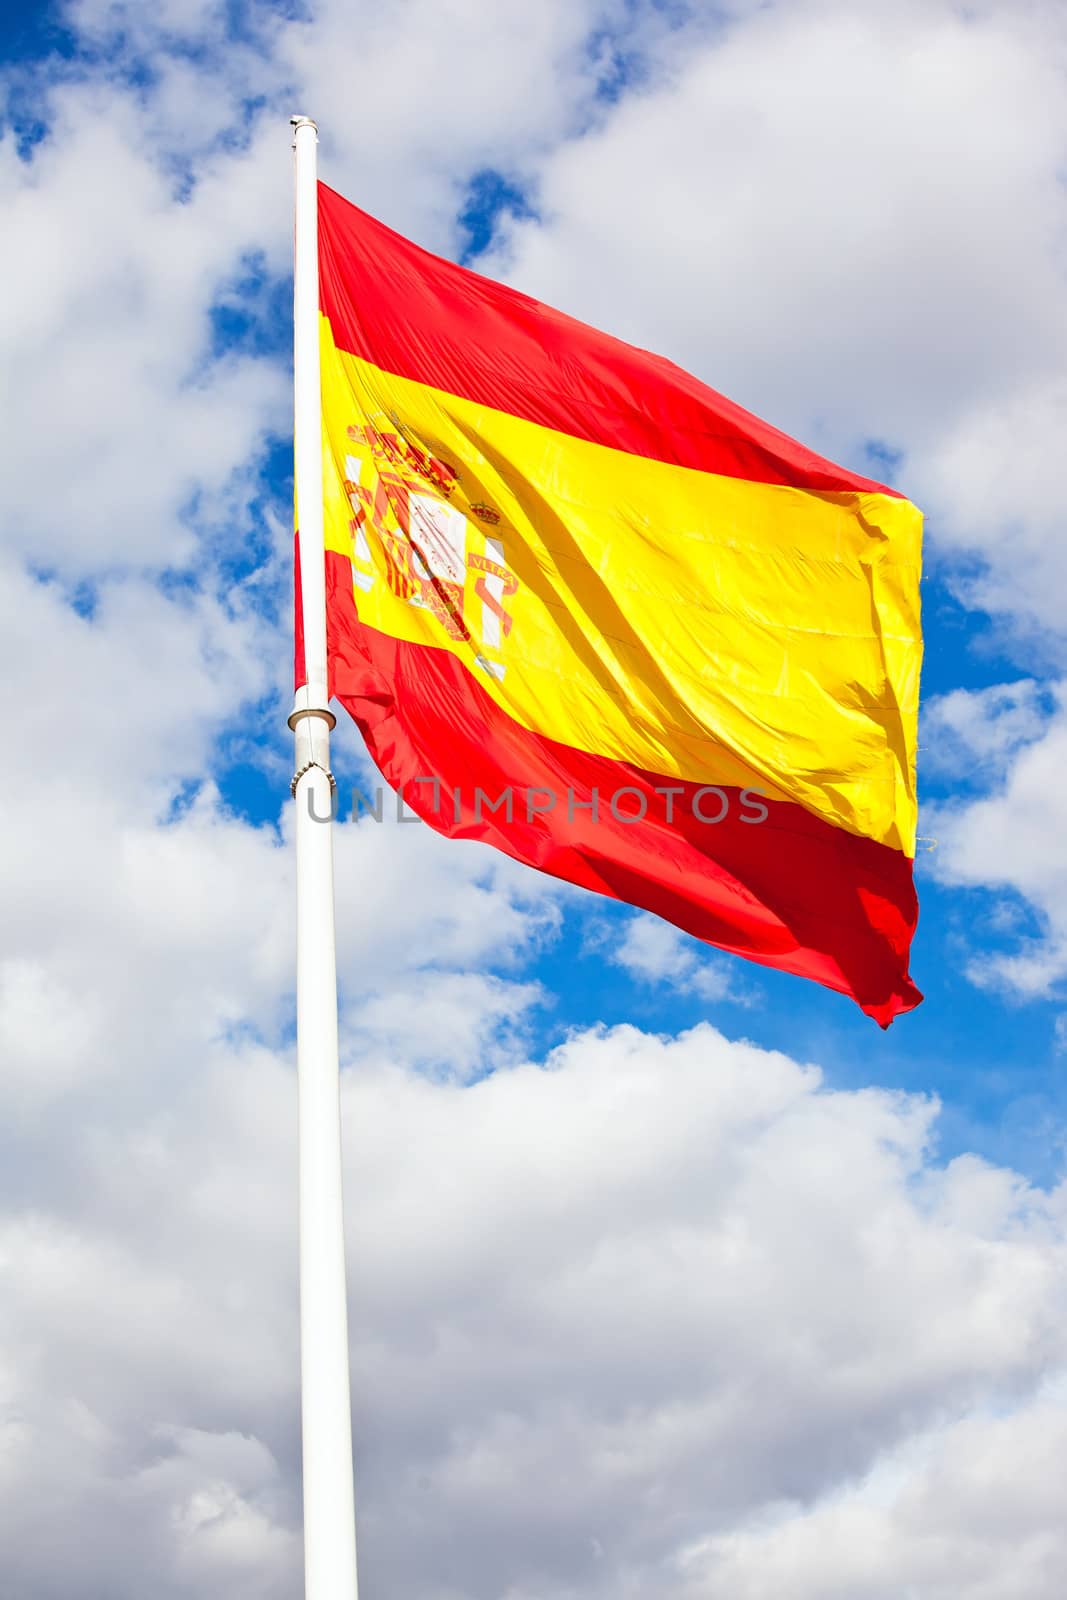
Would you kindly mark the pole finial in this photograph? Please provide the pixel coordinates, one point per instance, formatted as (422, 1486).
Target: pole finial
(297, 122)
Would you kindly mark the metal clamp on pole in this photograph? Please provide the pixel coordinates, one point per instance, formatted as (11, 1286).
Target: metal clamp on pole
(311, 724)
(312, 711)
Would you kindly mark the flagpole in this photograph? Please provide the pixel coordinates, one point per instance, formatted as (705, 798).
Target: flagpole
(329, 1509)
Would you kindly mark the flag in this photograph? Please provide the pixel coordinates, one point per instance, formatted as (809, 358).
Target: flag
(587, 610)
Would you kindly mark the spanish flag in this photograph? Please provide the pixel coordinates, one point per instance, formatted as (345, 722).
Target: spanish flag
(585, 609)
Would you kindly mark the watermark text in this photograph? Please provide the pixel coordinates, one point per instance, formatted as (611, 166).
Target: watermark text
(425, 799)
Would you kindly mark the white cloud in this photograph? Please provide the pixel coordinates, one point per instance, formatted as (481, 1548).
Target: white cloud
(654, 952)
(1011, 838)
(975, 733)
(993, 485)
(676, 1283)
(116, 415)
(647, 1318)
(965, 1510)
(454, 1023)
(452, 90)
(850, 220)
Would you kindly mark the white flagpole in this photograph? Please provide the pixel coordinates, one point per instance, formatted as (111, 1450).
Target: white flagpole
(329, 1511)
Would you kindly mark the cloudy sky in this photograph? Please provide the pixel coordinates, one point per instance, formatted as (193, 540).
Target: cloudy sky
(670, 1278)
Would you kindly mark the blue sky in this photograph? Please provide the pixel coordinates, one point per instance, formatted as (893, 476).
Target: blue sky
(581, 1149)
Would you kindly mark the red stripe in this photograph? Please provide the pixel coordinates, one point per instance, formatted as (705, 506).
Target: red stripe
(416, 315)
(790, 892)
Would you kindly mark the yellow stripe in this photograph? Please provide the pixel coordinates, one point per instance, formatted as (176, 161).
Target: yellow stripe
(698, 626)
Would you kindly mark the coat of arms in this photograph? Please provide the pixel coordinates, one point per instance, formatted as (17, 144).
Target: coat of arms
(409, 503)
